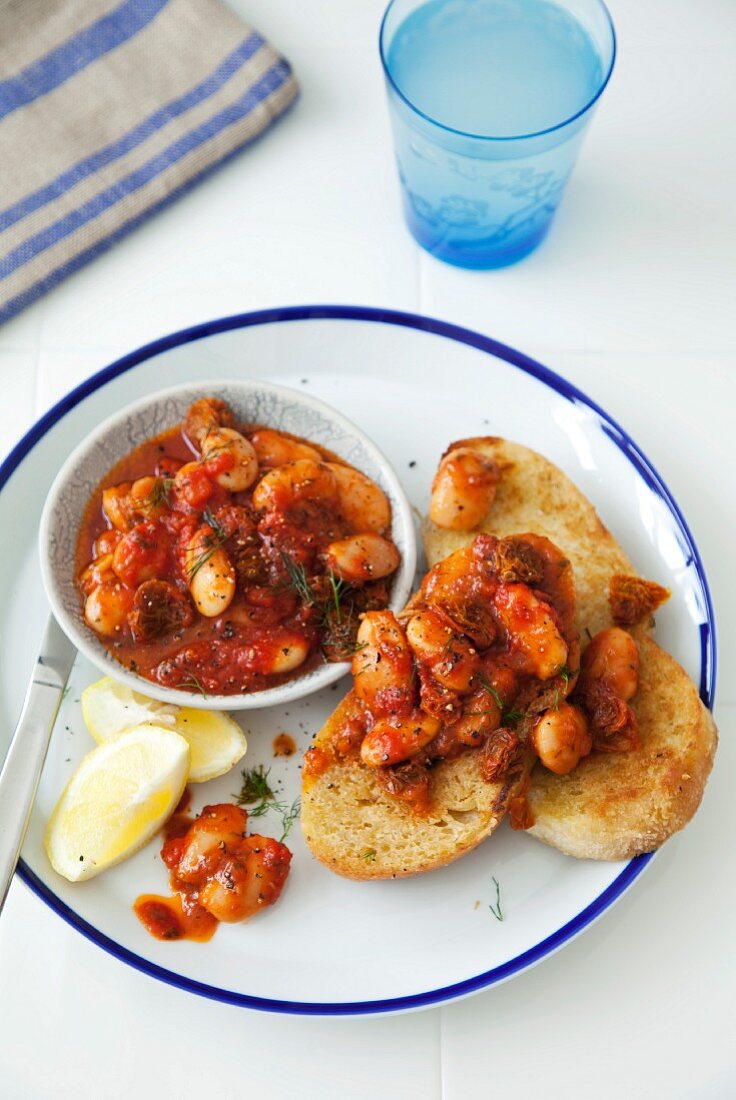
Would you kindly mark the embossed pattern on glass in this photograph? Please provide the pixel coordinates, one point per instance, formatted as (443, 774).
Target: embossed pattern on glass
(489, 103)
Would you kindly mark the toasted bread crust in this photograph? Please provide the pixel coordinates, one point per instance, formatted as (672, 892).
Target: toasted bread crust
(361, 832)
(612, 806)
(620, 805)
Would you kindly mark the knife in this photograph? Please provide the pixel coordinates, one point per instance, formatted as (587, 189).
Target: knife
(24, 761)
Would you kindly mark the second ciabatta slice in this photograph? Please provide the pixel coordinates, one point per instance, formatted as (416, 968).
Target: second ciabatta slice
(619, 806)
(612, 805)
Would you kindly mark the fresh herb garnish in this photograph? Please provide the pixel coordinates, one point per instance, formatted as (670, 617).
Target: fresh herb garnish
(256, 794)
(491, 691)
(496, 907)
(330, 597)
(211, 520)
(510, 714)
(216, 448)
(513, 714)
(334, 603)
(288, 817)
(159, 494)
(564, 675)
(255, 789)
(193, 682)
(208, 546)
(298, 579)
(369, 855)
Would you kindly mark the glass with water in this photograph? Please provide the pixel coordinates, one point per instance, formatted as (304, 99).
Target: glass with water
(490, 101)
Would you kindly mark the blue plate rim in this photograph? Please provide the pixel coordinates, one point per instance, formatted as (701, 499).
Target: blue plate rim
(554, 381)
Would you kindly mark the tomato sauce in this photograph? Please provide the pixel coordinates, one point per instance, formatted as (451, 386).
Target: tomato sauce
(167, 919)
(160, 516)
(216, 873)
(284, 745)
(178, 917)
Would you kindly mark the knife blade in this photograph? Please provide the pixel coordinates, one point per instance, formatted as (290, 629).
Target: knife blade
(25, 757)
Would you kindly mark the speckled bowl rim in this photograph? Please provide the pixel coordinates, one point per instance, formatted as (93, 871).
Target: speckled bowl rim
(298, 688)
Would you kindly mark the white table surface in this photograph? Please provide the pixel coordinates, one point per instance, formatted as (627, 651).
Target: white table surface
(632, 298)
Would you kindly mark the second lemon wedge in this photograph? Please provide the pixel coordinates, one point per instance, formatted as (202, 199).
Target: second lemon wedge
(217, 742)
(118, 797)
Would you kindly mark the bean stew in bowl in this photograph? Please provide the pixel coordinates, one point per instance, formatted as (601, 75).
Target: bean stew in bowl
(218, 544)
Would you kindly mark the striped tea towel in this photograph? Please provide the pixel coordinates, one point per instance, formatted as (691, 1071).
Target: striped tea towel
(108, 110)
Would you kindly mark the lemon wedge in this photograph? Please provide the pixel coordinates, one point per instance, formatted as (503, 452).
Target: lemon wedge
(118, 797)
(217, 742)
(109, 708)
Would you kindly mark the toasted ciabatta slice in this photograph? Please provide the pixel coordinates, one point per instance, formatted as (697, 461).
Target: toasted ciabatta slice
(613, 805)
(361, 832)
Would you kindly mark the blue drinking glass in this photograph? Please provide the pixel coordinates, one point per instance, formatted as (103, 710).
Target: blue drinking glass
(489, 102)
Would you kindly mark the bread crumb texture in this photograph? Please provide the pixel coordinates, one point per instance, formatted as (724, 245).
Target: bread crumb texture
(357, 830)
(619, 805)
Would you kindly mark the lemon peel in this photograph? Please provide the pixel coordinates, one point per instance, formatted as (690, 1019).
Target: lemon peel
(118, 797)
(217, 742)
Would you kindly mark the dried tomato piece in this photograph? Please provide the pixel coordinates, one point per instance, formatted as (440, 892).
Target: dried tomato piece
(499, 754)
(633, 599)
(408, 782)
(516, 560)
(612, 721)
(159, 609)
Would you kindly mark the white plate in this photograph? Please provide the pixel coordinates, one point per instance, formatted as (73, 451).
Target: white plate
(331, 946)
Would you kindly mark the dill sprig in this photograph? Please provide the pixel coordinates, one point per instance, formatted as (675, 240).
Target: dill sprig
(564, 675)
(334, 602)
(193, 682)
(508, 714)
(216, 448)
(331, 597)
(211, 520)
(255, 789)
(256, 794)
(488, 686)
(298, 579)
(212, 452)
(209, 545)
(495, 907)
(288, 817)
(159, 494)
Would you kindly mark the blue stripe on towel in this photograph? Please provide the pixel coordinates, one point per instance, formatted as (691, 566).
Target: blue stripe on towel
(128, 185)
(79, 51)
(26, 297)
(84, 168)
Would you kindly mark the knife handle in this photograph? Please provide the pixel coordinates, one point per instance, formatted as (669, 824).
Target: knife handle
(23, 764)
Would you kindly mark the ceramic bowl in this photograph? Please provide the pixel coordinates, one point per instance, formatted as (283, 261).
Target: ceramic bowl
(252, 402)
